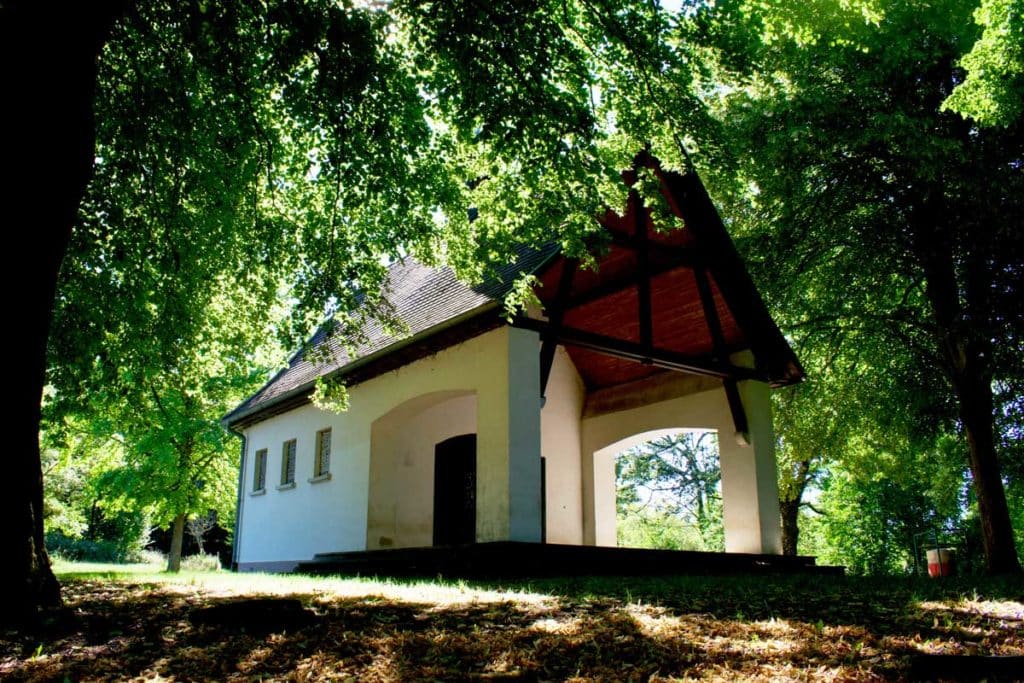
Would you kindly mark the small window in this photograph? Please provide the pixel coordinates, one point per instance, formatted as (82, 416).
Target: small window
(288, 462)
(259, 474)
(322, 466)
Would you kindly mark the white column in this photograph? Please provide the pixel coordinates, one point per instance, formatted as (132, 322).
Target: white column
(524, 476)
(750, 488)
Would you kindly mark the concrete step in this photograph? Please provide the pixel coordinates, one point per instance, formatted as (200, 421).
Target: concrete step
(508, 559)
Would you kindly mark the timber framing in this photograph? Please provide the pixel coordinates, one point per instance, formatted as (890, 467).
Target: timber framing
(593, 312)
(679, 300)
(632, 351)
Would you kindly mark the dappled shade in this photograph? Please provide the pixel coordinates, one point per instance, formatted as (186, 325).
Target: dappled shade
(610, 630)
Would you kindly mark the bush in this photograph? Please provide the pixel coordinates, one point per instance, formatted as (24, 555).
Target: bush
(152, 557)
(83, 550)
(101, 550)
(200, 563)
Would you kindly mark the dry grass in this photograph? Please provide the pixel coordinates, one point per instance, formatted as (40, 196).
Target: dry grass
(135, 626)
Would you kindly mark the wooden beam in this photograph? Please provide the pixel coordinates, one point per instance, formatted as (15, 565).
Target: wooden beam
(732, 393)
(627, 350)
(689, 200)
(739, 415)
(643, 285)
(688, 255)
(707, 301)
(547, 349)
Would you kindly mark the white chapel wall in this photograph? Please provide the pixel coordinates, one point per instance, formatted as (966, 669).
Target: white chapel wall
(560, 446)
(285, 527)
(401, 498)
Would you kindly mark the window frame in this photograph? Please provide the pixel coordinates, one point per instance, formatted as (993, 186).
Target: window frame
(288, 482)
(320, 471)
(259, 472)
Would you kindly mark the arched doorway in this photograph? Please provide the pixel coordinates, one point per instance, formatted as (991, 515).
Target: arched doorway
(668, 492)
(404, 445)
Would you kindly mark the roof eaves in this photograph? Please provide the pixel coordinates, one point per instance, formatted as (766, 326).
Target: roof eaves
(239, 415)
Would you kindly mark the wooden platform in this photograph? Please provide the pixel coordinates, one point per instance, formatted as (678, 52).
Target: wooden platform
(526, 560)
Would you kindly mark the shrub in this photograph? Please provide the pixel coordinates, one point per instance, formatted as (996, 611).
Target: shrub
(200, 563)
(151, 557)
(82, 549)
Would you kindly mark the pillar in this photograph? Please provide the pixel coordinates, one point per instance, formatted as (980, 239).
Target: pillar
(524, 465)
(750, 488)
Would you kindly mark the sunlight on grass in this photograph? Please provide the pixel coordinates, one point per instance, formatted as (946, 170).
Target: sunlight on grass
(136, 622)
(1009, 610)
(441, 594)
(68, 569)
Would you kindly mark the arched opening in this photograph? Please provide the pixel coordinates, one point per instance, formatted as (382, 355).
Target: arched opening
(668, 492)
(404, 446)
(659, 488)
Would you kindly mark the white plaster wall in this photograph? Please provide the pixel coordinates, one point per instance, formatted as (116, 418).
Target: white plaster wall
(749, 480)
(524, 441)
(750, 484)
(295, 524)
(401, 499)
(560, 446)
(606, 435)
(499, 367)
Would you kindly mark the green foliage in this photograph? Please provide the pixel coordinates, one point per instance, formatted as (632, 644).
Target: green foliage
(667, 494)
(993, 92)
(258, 163)
(884, 231)
(117, 538)
(330, 394)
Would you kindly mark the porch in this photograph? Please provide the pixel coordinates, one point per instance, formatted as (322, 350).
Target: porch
(517, 560)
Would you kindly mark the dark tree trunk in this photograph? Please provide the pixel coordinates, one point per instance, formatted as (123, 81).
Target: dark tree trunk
(974, 394)
(790, 502)
(48, 53)
(963, 319)
(177, 538)
(790, 511)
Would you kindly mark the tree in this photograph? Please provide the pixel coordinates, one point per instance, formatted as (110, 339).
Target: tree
(672, 482)
(908, 217)
(62, 85)
(993, 90)
(200, 525)
(340, 136)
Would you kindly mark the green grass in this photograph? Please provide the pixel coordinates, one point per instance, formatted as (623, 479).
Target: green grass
(133, 621)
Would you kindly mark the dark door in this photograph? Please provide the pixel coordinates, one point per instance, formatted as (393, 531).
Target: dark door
(455, 490)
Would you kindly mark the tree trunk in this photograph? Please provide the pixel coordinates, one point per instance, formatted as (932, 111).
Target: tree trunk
(790, 511)
(791, 496)
(177, 536)
(964, 345)
(974, 395)
(49, 53)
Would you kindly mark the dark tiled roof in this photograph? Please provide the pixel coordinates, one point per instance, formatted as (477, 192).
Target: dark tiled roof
(422, 297)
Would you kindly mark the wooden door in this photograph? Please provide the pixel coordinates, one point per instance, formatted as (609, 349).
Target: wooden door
(455, 490)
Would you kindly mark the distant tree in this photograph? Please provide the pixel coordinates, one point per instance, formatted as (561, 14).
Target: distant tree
(199, 526)
(672, 482)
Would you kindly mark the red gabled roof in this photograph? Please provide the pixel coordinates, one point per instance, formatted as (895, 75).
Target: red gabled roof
(607, 302)
(598, 314)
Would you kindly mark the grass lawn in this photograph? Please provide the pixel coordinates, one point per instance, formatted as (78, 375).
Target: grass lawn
(132, 622)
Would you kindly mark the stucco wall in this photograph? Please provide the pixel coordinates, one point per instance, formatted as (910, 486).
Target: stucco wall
(499, 367)
(401, 500)
(293, 525)
(560, 446)
(749, 484)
